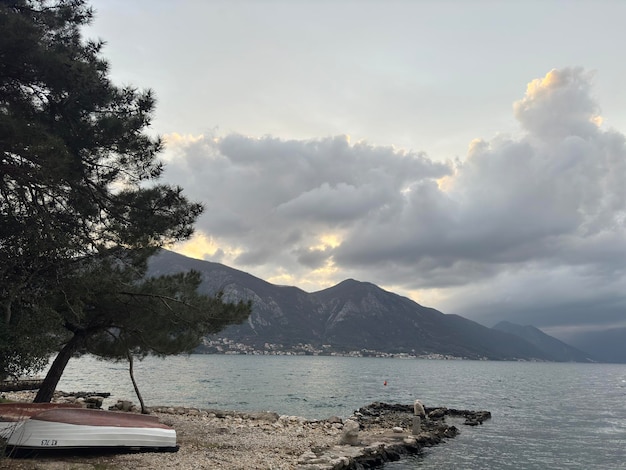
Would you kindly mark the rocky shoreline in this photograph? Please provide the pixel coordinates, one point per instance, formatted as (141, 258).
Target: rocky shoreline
(229, 440)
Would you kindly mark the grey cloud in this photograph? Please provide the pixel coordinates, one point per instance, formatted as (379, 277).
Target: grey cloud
(256, 190)
(551, 297)
(311, 258)
(253, 257)
(418, 229)
(340, 204)
(512, 228)
(216, 257)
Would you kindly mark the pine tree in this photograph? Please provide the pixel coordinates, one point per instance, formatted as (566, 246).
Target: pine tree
(81, 209)
(112, 309)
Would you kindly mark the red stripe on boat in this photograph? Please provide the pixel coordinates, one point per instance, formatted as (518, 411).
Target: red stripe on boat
(89, 417)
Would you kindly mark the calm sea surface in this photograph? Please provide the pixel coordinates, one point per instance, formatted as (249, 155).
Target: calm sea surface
(544, 415)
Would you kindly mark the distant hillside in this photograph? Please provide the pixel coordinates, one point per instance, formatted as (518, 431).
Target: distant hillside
(350, 316)
(553, 347)
(607, 346)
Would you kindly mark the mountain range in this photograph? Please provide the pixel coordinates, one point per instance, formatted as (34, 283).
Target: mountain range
(554, 348)
(355, 316)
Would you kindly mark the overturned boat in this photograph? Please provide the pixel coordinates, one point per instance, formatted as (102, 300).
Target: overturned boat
(12, 414)
(39, 426)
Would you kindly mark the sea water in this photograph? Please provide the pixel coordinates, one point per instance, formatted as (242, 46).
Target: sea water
(544, 415)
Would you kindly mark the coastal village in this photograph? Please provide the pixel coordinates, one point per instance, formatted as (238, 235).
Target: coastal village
(231, 347)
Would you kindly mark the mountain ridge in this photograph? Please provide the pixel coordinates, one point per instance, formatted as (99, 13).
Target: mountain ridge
(544, 342)
(349, 316)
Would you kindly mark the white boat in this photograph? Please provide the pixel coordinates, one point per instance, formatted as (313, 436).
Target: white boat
(58, 427)
(12, 414)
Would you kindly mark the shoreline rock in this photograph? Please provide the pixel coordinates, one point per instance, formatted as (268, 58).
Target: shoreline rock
(228, 440)
(20, 385)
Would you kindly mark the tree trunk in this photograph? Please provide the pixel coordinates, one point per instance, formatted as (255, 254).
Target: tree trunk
(49, 385)
(132, 378)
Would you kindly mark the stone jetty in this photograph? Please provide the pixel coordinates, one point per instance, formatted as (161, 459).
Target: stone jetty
(387, 433)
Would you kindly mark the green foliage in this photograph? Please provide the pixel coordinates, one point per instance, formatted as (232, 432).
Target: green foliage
(125, 311)
(80, 206)
(24, 349)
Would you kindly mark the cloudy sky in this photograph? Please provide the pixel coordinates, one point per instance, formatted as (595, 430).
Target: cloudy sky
(468, 154)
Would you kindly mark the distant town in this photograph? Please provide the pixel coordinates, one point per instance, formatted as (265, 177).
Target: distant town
(229, 346)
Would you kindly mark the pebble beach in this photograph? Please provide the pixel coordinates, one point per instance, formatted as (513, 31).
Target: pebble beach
(229, 440)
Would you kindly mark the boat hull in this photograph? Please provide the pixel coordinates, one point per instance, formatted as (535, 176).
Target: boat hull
(13, 414)
(89, 429)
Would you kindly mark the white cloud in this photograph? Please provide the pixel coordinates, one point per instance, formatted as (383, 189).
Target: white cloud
(518, 223)
(559, 105)
(271, 197)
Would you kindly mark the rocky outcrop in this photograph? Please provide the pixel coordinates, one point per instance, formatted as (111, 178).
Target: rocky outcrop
(19, 385)
(388, 432)
(231, 440)
(375, 434)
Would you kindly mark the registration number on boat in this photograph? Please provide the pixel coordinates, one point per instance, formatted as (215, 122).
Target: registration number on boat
(48, 442)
